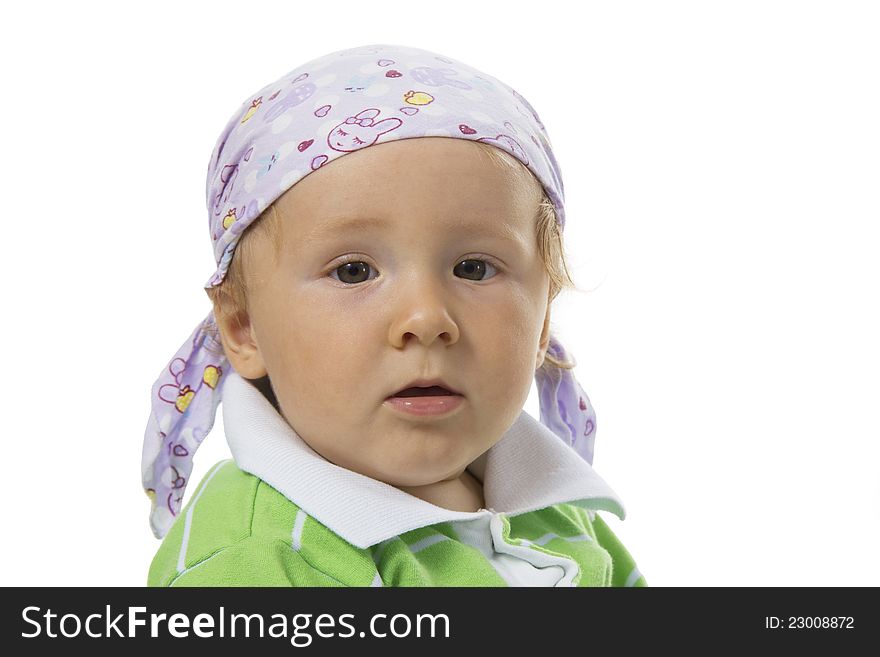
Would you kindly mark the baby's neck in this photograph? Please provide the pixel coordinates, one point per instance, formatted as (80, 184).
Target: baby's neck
(463, 493)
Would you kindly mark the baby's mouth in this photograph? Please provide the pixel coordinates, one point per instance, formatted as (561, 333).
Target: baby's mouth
(425, 403)
(431, 391)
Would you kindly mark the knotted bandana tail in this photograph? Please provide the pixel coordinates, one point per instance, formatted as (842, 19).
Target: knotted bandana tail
(565, 408)
(184, 405)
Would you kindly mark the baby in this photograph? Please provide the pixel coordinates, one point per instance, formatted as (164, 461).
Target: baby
(396, 219)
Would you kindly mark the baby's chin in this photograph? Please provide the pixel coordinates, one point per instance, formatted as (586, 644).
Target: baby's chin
(413, 474)
(413, 461)
(432, 476)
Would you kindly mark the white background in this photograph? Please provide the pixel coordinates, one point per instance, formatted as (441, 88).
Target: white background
(721, 165)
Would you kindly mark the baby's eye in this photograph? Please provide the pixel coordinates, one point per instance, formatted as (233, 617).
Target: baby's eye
(473, 266)
(353, 269)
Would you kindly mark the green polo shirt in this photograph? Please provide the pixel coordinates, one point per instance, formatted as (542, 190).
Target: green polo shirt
(241, 526)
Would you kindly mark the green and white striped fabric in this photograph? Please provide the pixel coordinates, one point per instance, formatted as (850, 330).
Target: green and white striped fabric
(239, 531)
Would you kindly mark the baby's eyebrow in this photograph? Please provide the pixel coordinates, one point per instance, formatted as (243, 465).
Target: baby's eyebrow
(335, 228)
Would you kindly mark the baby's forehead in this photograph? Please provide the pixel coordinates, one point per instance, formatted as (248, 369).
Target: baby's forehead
(443, 227)
(439, 188)
(438, 229)
(335, 207)
(427, 213)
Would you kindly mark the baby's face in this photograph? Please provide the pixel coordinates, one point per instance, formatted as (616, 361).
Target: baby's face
(448, 283)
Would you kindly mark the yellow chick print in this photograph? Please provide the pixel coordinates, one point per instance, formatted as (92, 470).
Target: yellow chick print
(418, 98)
(211, 375)
(184, 398)
(255, 105)
(229, 219)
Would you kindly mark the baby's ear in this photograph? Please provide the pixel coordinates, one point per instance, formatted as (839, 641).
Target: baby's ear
(241, 349)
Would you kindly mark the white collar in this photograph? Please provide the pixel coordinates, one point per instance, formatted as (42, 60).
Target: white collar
(529, 468)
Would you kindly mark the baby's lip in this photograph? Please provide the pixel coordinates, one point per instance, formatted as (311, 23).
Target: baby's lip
(426, 383)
